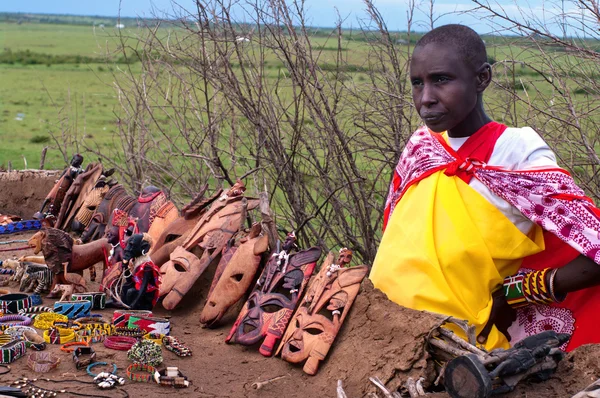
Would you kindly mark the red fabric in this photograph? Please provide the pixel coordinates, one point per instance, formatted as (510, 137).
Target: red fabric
(584, 304)
(478, 147)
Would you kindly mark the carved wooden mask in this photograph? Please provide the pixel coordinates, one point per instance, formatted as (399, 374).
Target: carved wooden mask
(269, 308)
(234, 275)
(321, 314)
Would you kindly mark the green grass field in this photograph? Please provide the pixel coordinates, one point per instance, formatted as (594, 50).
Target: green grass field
(40, 103)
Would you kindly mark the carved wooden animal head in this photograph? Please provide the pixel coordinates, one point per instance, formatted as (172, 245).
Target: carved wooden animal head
(90, 203)
(35, 242)
(321, 314)
(234, 275)
(273, 300)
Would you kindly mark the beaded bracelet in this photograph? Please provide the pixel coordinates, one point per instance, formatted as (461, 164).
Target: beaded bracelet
(73, 309)
(42, 362)
(529, 288)
(70, 347)
(92, 365)
(91, 335)
(7, 338)
(46, 320)
(93, 323)
(150, 324)
(145, 352)
(141, 377)
(121, 343)
(98, 299)
(83, 356)
(12, 303)
(12, 351)
(174, 345)
(155, 337)
(18, 330)
(7, 321)
(129, 332)
(121, 317)
(73, 325)
(34, 341)
(58, 336)
(178, 381)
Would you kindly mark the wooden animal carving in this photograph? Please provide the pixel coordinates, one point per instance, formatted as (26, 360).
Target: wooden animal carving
(65, 290)
(58, 249)
(321, 313)
(211, 234)
(234, 275)
(37, 278)
(269, 308)
(55, 197)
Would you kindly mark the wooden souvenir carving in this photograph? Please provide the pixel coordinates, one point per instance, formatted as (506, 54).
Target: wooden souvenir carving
(322, 311)
(55, 197)
(269, 308)
(234, 275)
(211, 234)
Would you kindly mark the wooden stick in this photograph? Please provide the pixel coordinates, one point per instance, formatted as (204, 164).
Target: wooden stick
(43, 158)
(260, 384)
(411, 386)
(462, 343)
(444, 346)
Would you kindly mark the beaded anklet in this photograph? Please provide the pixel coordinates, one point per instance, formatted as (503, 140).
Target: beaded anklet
(121, 343)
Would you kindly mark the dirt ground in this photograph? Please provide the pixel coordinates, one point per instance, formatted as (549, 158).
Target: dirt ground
(379, 339)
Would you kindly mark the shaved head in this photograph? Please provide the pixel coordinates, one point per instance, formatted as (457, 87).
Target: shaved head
(462, 38)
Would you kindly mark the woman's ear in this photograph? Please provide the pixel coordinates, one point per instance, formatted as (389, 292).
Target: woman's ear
(484, 77)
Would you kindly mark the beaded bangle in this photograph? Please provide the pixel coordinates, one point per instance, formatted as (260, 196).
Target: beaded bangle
(155, 337)
(46, 320)
(141, 377)
(17, 331)
(129, 332)
(145, 352)
(58, 336)
(73, 309)
(7, 321)
(92, 365)
(551, 288)
(98, 299)
(14, 302)
(121, 317)
(121, 343)
(91, 335)
(529, 288)
(12, 351)
(42, 362)
(174, 345)
(73, 325)
(150, 324)
(94, 323)
(34, 341)
(83, 356)
(70, 347)
(7, 338)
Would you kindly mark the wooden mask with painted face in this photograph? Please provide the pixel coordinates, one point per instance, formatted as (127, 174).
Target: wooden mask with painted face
(271, 304)
(321, 314)
(234, 275)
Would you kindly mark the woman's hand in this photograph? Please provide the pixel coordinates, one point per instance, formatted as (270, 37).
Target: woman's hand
(502, 315)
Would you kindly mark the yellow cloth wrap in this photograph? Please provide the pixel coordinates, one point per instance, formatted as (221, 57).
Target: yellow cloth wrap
(446, 248)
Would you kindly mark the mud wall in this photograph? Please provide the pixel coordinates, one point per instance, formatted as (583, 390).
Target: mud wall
(23, 191)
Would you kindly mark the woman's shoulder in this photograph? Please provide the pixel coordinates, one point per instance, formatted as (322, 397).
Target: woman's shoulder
(522, 148)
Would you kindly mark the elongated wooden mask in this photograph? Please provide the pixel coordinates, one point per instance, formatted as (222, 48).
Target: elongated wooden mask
(322, 311)
(271, 304)
(234, 275)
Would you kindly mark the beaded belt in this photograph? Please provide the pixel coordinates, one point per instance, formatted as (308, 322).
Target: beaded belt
(12, 351)
(146, 376)
(73, 309)
(42, 362)
(121, 343)
(7, 321)
(83, 356)
(150, 324)
(121, 317)
(98, 299)
(58, 336)
(94, 323)
(174, 345)
(14, 302)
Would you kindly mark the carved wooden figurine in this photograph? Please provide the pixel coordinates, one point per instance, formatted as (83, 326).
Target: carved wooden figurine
(234, 275)
(269, 308)
(322, 311)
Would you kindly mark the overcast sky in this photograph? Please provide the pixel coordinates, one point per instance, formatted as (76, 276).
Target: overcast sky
(320, 12)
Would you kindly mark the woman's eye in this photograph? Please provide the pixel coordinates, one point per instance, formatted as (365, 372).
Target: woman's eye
(416, 82)
(442, 79)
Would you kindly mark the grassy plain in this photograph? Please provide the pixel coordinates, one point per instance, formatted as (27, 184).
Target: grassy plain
(40, 103)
